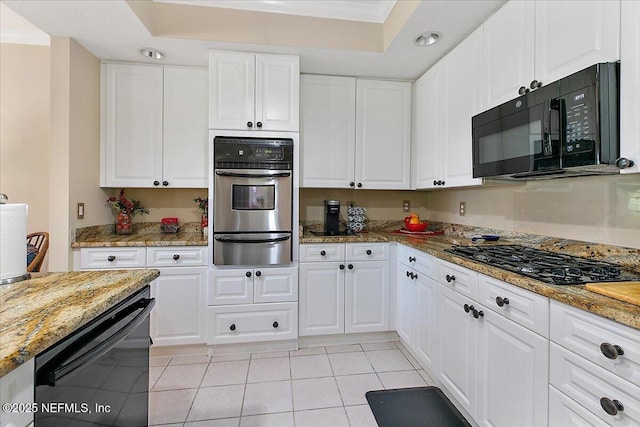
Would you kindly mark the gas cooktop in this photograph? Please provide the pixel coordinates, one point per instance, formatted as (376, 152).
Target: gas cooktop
(550, 267)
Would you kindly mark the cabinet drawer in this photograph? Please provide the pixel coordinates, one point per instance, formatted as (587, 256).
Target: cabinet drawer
(176, 256)
(112, 258)
(460, 279)
(322, 252)
(275, 285)
(418, 260)
(587, 383)
(564, 412)
(367, 251)
(230, 287)
(523, 307)
(583, 333)
(252, 323)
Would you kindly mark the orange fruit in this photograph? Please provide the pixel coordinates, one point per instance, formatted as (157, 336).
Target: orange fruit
(414, 220)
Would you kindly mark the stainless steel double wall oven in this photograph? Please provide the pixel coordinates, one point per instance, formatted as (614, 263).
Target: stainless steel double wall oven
(253, 187)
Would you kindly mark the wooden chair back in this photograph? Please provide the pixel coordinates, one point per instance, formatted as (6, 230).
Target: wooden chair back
(41, 241)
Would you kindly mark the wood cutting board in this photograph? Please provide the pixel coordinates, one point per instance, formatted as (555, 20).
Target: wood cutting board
(623, 291)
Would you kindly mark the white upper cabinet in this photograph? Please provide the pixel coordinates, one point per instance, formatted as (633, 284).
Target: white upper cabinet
(428, 116)
(355, 133)
(254, 91)
(154, 126)
(383, 134)
(328, 127)
(630, 85)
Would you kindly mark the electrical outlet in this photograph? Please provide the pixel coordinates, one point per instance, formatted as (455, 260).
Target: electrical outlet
(406, 206)
(463, 208)
(80, 210)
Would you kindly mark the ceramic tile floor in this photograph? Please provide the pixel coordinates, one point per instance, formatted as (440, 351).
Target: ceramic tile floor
(310, 387)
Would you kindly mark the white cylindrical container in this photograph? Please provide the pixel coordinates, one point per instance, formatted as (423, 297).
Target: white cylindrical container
(13, 243)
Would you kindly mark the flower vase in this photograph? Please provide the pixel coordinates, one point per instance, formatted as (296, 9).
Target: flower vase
(204, 222)
(123, 223)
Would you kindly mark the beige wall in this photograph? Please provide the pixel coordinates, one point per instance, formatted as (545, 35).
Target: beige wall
(594, 209)
(25, 129)
(162, 203)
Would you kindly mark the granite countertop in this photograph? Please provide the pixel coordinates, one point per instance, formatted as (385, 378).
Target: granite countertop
(144, 234)
(574, 295)
(37, 313)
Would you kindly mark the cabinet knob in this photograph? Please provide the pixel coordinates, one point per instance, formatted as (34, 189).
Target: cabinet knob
(232, 327)
(359, 185)
(352, 184)
(414, 275)
(259, 124)
(477, 313)
(156, 183)
(249, 124)
(468, 308)
(341, 266)
(323, 253)
(369, 252)
(248, 274)
(535, 84)
(443, 182)
(111, 258)
(502, 301)
(275, 324)
(611, 351)
(435, 182)
(523, 90)
(408, 273)
(165, 183)
(176, 257)
(450, 278)
(350, 266)
(611, 407)
(412, 259)
(624, 163)
(258, 273)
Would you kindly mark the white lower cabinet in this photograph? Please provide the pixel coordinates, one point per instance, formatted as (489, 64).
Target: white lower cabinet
(252, 304)
(345, 296)
(564, 412)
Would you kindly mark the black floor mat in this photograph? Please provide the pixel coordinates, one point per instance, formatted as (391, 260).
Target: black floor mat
(413, 407)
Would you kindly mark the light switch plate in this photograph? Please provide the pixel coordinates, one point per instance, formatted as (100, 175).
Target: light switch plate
(406, 205)
(80, 210)
(463, 208)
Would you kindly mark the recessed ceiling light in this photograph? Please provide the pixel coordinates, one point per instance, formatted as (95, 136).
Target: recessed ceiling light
(426, 39)
(150, 53)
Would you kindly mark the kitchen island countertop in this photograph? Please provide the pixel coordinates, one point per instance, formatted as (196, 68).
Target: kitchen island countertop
(37, 313)
(573, 295)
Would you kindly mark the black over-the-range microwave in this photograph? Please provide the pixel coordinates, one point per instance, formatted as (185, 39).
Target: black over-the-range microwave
(566, 128)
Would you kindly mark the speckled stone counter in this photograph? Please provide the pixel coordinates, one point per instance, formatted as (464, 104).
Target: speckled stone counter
(144, 234)
(574, 295)
(37, 313)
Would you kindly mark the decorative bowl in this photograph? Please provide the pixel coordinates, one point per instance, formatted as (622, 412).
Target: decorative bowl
(417, 227)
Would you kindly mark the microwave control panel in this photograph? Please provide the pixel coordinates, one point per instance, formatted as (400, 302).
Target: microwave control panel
(580, 122)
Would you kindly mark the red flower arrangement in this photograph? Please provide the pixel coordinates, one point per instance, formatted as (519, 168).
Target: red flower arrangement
(125, 205)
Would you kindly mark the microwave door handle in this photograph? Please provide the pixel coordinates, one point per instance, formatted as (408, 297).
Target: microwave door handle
(249, 175)
(232, 240)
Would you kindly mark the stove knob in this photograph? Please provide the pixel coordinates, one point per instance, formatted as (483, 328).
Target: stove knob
(502, 301)
(611, 407)
(450, 278)
(611, 351)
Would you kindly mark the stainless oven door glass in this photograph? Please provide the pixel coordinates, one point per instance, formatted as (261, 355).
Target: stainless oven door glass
(249, 200)
(252, 249)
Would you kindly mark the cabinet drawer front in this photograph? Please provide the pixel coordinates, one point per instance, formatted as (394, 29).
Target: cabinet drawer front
(460, 279)
(251, 323)
(175, 256)
(367, 251)
(525, 308)
(564, 412)
(315, 251)
(418, 260)
(230, 287)
(275, 285)
(586, 383)
(112, 258)
(584, 333)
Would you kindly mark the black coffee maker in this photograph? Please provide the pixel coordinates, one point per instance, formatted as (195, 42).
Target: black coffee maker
(332, 217)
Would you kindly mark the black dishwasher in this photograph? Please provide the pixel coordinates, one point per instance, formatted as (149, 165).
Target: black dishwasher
(99, 375)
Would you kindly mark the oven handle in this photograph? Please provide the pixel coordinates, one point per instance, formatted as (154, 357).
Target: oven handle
(232, 240)
(51, 375)
(249, 175)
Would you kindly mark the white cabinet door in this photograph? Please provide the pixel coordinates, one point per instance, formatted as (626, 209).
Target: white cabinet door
(131, 122)
(231, 90)
(630, 84)
(230, 286)
(277, 93)
(405, 291)
(321, 298)
(327, 131)
(177, 315)
(383, 134)
(457, 348)
(275, 285)
(513, 372)
(185, 145)
(424, 315)
(429, 149)
(367, 297)
(463, 82)
(572, 35)
(508, 38)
